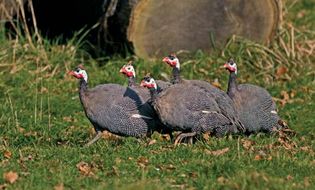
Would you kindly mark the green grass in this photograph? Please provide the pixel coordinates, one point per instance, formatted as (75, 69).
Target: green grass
(43, 126)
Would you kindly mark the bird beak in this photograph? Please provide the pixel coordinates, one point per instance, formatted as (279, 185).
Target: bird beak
(71, 73)
(165, 59)
(142, 84)
(122, 70)
(225, 66)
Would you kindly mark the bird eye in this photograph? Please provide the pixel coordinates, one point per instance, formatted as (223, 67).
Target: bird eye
(147, 79)
(77, 70)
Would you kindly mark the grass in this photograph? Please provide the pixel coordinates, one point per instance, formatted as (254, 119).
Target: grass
(43, 127)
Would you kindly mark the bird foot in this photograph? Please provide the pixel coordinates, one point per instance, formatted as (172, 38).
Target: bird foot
(96, 138)
(283, 124)
(181, 136)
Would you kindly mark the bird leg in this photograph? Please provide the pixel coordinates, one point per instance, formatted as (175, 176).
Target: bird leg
(181, 136)
(190, 140)
(96, 138)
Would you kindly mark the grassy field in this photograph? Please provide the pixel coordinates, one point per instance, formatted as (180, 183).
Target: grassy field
(43, 127)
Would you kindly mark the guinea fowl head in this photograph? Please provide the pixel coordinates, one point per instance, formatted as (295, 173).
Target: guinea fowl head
(172, 61)
(231, 66)
(79, 73)
(128, 70)
(149, 83)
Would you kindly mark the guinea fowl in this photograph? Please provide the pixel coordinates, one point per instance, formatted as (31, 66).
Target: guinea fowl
(173, 61)
(224, 101)
(191, 109)
(129, 71)
(115, 108)
(255, 106)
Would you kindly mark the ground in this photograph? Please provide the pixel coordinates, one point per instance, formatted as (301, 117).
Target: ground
(43, 127)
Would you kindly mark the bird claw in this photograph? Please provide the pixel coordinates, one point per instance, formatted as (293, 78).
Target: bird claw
(96, 138)
(181, 136)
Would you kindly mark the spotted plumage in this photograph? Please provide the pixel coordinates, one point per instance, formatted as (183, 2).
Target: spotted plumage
(254, 104)
(187, 107)
(112, 107)
(219, 103)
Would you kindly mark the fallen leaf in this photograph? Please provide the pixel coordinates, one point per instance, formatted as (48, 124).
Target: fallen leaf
(307, 182)
(21, 129)
(84, 168)
(193, 174)
(206, 136)
(307, 149)
(43, 90)
(218, 152)
(289, 177)
(59, 187)
(301, 14)
(10, 176)
(30, 158)
(179, 186)
(262, 155)
(285, 127)
(117, 161)
(292, 93)
(143, 161)
(153, 141)
(285, 97)
(3, 186)
(222, 180)
(7, 154)
(269, 146)
(170, 167)
(281, 71)
(258, 157)
(31, 134)
(165, 137)
(248, 144)
(67, 118)
(287, 143)
(216, 83)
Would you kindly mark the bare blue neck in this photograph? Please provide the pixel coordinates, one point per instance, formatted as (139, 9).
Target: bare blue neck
(131, 81)
(154, 93)
(176, 75)
(232, 85)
